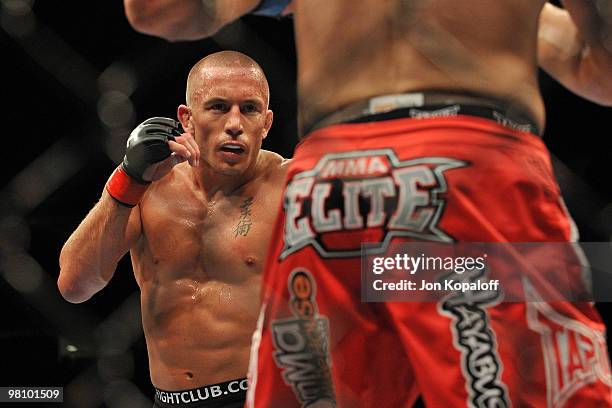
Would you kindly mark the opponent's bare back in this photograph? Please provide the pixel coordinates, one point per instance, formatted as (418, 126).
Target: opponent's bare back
(478, 47)
(349, 51)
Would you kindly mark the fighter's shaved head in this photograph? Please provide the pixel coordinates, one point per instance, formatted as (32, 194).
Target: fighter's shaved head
(227, 60)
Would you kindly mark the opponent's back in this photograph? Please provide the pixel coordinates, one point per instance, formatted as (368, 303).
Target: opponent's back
(352, 50)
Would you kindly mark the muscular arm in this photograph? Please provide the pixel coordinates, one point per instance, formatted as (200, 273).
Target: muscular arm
(571, 48)
(90, 256)
(177, 20)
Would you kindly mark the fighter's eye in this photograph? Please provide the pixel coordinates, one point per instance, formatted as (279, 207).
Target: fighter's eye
(249, 108)
(218, 106)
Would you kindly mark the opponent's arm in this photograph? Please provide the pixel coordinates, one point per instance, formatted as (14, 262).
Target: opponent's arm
(571, 48)
(89, 258)
(177, 20)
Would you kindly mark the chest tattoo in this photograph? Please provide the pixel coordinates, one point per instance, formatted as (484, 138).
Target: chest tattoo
(244, 221)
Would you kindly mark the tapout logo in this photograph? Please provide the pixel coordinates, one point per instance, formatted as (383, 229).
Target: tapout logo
(575, 355)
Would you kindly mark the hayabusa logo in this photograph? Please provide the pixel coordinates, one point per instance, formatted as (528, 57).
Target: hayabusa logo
(301, 344)
(472, 335)
(358, 190)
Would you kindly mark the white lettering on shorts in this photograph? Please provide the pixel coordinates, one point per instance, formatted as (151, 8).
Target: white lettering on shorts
(575, 355)
(356, 190)
(474, 338)
(447, 112)
(202, 393)
(509, 123)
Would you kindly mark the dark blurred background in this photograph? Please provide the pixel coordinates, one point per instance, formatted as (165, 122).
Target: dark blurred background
(76, 80)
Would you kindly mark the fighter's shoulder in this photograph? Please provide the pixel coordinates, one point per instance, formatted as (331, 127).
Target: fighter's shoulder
(275, 164)
(170, 185)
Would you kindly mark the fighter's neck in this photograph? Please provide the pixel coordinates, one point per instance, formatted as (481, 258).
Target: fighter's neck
(212, 183)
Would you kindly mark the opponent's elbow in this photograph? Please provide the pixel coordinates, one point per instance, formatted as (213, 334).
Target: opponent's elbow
(143, 16)
(171, 24)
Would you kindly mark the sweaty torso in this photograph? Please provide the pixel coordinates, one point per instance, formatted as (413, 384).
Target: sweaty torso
(198, 264)
(351, 50)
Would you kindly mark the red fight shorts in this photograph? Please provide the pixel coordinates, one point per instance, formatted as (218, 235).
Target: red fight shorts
(463, 178)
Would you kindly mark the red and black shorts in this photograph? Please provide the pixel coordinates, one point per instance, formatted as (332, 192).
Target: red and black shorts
(462, 178)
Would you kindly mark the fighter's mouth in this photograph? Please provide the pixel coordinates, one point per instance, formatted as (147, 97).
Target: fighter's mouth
(233, 148)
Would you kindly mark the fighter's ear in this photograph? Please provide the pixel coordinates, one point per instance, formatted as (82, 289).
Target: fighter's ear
(268, 124)
(184, 116)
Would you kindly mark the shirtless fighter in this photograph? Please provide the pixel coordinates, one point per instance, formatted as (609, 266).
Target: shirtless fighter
(197, 232)
(421, 120)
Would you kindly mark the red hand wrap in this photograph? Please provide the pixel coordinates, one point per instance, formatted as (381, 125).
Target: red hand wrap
(125, 189)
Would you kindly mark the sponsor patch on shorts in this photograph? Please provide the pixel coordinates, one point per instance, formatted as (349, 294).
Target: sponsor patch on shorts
(302, 343)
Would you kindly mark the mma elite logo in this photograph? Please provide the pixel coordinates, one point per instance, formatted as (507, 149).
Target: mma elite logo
(302, 351)
(480, 362)
(575, 355)
(365, 194)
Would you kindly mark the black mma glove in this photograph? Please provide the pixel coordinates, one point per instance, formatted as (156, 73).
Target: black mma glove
(148, 144)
